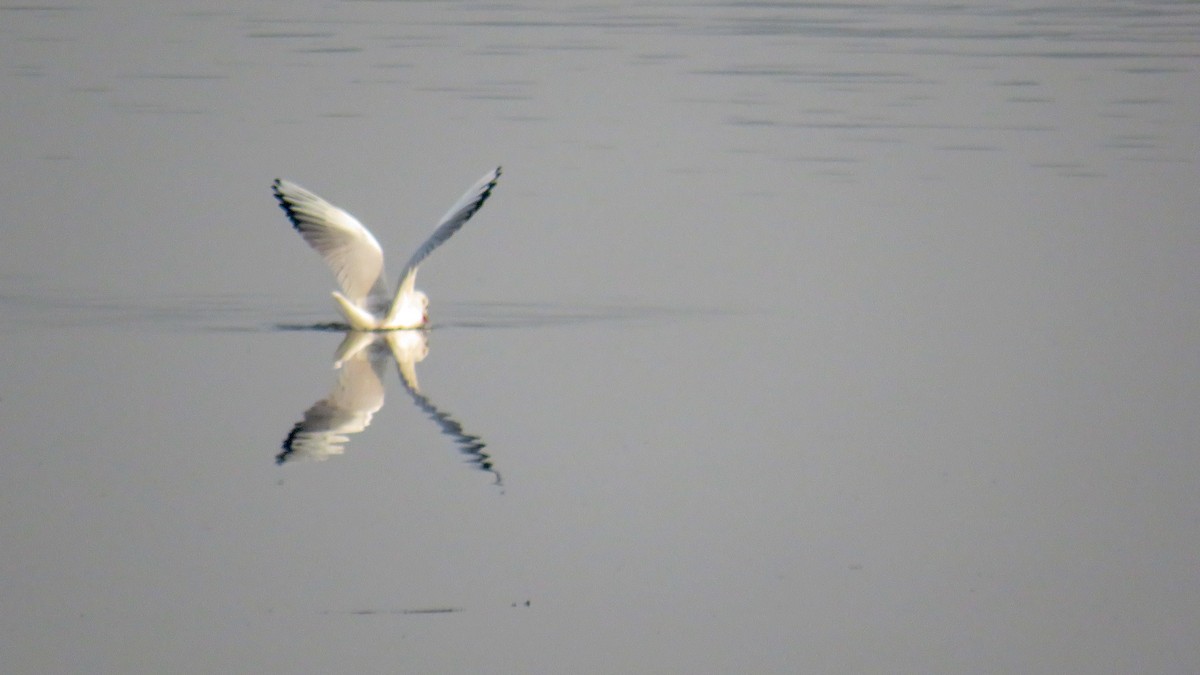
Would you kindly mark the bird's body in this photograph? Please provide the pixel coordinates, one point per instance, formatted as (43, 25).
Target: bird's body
(355, 257)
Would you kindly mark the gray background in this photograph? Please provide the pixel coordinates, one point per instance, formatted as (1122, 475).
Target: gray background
(835, 337)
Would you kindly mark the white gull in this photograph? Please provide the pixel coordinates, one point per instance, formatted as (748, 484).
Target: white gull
(355, 257)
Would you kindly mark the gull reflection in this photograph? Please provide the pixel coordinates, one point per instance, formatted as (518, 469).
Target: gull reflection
(361, 361)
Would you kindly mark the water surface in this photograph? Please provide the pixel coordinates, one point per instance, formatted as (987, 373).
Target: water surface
(815, 338)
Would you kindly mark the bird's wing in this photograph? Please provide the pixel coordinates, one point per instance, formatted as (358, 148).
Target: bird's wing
(343, 243)
(410, 346)
(454, 219)
(355, 398)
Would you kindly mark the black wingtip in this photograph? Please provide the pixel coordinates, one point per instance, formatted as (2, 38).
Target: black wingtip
(286, 448)
(487, 192)
(277, 190)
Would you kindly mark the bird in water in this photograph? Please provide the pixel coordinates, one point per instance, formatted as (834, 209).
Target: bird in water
(355, 257)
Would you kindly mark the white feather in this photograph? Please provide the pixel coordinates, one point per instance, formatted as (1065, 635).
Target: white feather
(356, 258)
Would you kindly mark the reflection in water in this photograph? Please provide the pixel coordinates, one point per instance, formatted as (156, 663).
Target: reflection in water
(355, 398)
(361, 360)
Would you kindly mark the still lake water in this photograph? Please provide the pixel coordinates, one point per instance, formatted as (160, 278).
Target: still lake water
(834, 337)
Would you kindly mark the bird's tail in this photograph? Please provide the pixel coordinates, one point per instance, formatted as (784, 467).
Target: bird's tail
(357, 317)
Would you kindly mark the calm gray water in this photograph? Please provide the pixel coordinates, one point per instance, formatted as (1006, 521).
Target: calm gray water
(833, 337)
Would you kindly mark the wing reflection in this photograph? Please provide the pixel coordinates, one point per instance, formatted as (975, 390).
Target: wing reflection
(361, 360)
(355, 398)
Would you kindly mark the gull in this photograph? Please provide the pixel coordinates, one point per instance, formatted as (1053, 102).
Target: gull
(355, 257)
(358, 393)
